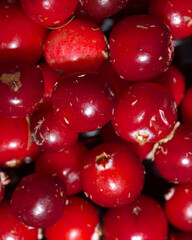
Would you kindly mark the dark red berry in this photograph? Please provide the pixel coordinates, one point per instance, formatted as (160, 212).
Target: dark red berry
(112, 175)
(20, 38)
(186, 107)
(15, 141)
(141, 47)
(79, 221)
(51, 133)
(103, 8)
(173, 159)
(21, 87)
(49, 12)
(146, 112)
(178, 207)
(39, 200)
(180, 236)
(176, 14)
(85, 102)
(142, 219)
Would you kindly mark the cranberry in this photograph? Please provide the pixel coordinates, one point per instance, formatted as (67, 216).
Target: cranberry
(180, 236)
(146, 112)
(112, 175)
(20, 38)
(49, 12)
(83, 51)
(21, 86)
(176, 14)
(142, 219)
(178, 207)
(15, 140)
(186, 107)
(173, 159)
(79, 221)
(174, 80)
(13, 229)
(65, 165)
(39, 200)
(84, 101)
(103, 8)
(141, 47)
(50, 133)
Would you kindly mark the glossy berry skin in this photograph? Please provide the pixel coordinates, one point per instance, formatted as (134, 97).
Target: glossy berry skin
(173, 160)
(21, 87)
(49, 12)
(50, 133)
(65, 164)
(146, 112)
(17, 43)
(180, 236)
(176, 14)
(103, 8)
(39, 200)
(112, 175)
(12, 228)
(174, 80)
(186, 107)
(178, 207)
(83, 51)
(142, 219)
(80, 221)
(85, 102)
(13, 146)
(141, 47)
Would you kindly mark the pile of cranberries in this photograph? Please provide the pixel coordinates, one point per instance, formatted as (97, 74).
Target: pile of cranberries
(95, 120)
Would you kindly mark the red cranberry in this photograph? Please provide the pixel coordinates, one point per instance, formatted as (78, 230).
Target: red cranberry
(178, 207)
(186, 107)
(15, 141)
(49, 12)
(13, 229)
(103, 8)
(20, 38)
(173, 159)
(21, 86)
(174, 80)
(83, 51)
(84, 101)
(79, 221)
(176, 14)
(112, 175)
(39, 200)
(180, 236)
(146, 112)
(141, 47)
(50, 133)
(142, 219)
(65, 165)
